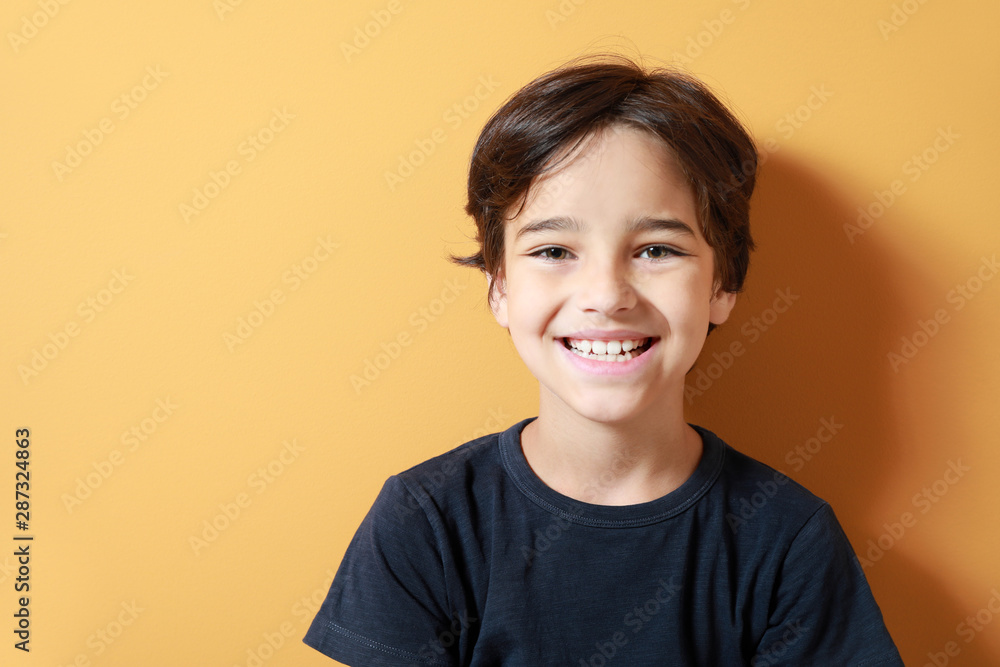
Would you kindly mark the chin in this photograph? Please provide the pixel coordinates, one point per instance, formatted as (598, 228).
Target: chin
(622, 413)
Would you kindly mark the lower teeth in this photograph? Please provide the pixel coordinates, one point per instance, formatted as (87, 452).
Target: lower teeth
(608, 357)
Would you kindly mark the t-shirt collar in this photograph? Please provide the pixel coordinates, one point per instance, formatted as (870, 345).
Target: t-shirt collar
(624, 516)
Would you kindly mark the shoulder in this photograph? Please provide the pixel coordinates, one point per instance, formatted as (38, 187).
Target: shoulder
(759, 497)
(444, 484)
(450, 471)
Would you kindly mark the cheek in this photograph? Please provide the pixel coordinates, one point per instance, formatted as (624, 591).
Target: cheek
(685, 299)
(527, 308)
(690, 316)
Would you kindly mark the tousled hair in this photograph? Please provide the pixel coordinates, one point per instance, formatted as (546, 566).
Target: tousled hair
(562, 108)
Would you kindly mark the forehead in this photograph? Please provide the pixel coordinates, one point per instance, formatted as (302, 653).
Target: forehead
(608, 174)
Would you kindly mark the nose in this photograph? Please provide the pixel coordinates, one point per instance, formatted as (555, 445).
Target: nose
(606, 286)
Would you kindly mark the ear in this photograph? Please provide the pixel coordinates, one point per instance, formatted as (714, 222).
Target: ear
(498, 301)
(720, 306)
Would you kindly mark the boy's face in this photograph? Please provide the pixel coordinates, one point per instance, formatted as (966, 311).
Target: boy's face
(608, 248)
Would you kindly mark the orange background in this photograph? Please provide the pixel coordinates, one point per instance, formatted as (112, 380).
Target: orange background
(231, 164)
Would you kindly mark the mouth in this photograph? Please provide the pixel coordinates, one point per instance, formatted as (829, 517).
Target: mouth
(608, 350)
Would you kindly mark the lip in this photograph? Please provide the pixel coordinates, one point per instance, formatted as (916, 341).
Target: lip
(609, 368)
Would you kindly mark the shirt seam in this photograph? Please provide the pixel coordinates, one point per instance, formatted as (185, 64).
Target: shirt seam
(695, 496)
(440, 536)
(384, 648)
(884, 659)
(822, 504)
(784, 559)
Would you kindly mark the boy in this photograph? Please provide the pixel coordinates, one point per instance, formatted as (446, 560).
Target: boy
(612, 209)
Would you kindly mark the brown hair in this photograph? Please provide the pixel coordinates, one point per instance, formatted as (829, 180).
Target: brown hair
(564, 107)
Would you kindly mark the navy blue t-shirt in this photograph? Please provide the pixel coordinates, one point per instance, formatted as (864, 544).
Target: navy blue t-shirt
(470, 559)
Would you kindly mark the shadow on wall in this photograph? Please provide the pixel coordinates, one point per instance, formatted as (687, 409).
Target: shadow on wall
(799, 378)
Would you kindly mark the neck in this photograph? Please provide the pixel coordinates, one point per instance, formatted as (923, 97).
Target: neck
(619, 463)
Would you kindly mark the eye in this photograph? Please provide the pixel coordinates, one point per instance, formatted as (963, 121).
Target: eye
(552, 253)
(659, 252)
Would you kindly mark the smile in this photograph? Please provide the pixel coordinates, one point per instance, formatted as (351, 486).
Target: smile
(607, 350)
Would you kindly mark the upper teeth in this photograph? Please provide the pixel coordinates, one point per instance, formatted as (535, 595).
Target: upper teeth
(605, 346)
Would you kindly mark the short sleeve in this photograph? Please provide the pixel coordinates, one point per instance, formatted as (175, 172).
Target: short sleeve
(388, 601)
(823, 611)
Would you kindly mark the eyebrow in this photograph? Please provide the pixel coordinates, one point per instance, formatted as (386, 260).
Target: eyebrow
(643, 224)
